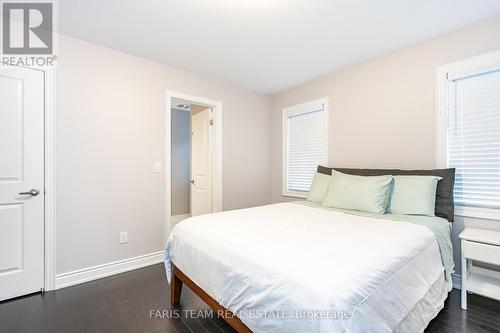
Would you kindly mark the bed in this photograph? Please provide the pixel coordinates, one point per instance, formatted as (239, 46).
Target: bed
(300, 267)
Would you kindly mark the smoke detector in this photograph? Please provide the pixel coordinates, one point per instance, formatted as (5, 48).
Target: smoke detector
(183, 106)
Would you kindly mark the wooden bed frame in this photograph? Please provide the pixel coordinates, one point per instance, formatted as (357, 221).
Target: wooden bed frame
(179, 278)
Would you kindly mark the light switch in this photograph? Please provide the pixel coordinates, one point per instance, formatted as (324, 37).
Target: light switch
(157, 167)
(123, 237)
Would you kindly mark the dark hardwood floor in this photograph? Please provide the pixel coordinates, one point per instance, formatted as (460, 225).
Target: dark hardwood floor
(134, 301)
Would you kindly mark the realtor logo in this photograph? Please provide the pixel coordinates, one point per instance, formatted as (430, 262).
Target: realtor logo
(27, 27)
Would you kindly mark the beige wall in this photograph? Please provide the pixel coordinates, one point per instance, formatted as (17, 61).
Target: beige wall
(110, 128)
(382, 112)
(195, 108)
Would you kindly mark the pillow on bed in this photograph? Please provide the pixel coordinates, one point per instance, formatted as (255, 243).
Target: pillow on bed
(362, 193)
(318, 188)
(444, 191)
(413, 195)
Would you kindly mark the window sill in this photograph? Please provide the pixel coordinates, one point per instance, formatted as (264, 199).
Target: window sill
(294, 194)
(478, 212)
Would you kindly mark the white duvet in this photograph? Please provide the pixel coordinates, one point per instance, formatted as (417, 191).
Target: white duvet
(294, 268)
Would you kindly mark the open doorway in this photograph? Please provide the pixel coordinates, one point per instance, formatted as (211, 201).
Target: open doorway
(194, 152)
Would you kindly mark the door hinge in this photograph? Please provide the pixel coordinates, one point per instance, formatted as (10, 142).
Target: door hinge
(211, 122)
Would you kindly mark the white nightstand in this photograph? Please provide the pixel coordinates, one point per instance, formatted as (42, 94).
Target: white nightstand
(480, 246)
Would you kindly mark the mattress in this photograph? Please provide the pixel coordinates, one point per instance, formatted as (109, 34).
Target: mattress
(295, 268)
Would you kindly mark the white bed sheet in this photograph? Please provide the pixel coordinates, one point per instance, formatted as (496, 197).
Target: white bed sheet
(281, 266)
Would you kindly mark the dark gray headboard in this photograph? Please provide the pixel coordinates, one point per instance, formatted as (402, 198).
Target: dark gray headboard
(444, 192)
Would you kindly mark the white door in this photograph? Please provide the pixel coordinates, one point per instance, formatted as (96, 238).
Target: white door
(21, 181)
(201, 163)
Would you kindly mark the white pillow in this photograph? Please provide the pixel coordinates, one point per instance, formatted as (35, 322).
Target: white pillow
(413, 195)
(362, 193)
(318, 188)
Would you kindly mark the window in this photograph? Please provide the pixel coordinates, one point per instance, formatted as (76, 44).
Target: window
(304, 145)
(470, 133)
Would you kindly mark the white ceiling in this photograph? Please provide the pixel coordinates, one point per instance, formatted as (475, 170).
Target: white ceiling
(265, 45)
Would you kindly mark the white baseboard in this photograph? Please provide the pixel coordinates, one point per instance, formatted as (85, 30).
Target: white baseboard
(93, 273)
(457, 280)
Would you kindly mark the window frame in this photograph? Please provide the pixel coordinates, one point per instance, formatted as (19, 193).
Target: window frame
(284, 118)
(467, 67)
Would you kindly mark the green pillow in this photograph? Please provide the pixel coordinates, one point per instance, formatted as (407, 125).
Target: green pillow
(318, 188)
(362, 193)
(413, 195)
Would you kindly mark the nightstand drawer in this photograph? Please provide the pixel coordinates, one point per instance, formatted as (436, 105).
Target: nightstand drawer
(481, 252)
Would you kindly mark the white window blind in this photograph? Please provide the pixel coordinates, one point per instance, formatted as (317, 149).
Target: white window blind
(305, 145)
(474, 138)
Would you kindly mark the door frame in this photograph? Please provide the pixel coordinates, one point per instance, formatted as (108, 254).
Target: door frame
(50, 178)
(216, 105)
(49, 206)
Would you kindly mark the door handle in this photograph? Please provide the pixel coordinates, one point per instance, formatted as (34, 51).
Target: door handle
(192, 181)
(33, 192)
